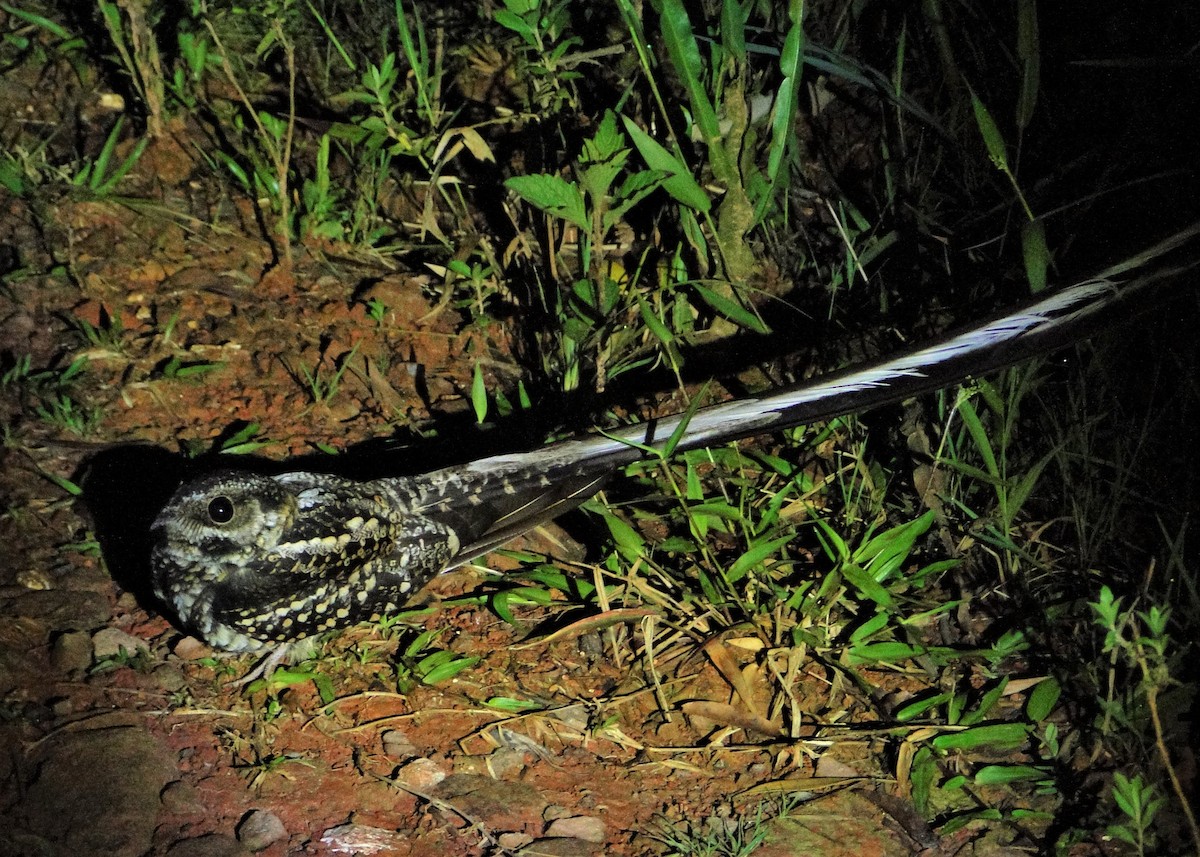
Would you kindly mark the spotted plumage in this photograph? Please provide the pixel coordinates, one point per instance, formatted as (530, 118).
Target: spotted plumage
(249, 562)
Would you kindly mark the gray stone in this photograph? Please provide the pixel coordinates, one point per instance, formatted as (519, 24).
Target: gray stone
(580, 827)
(259, 829)
(97, 792)
(361, 840)
(210, 845)
(109, 642)
(71, 652)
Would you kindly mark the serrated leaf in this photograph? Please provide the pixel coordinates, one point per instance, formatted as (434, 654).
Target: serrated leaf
(553, 195)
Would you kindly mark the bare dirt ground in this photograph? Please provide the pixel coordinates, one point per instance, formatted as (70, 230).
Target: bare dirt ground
(155, 752)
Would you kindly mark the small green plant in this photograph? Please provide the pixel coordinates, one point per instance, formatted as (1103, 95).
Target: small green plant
(1140, 801)
(175, 369)
(140, 660)
(605, 313)
(241, 438)
(1002, 471)
(414, 665)
(267, 141)
(721, 836)
(719, 95)
(545, 58)
(39, 38)
(1138, 640)
(321, 387)
(50, 394)
(99, 176)
(106, 335)
(281, 679)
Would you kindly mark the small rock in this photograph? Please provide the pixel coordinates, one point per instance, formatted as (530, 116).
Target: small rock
(109, 642)
(210, 845)
(169, 678)
(506, 764)
(420, 775)
(191, 649)
(561, 848)
(398, 745)
(35, 578)
(97, 791)
(259, 828)
(513, 841)
(501, 806)
(580, 827)
(180, 797)
(72, 652)
(359, 839)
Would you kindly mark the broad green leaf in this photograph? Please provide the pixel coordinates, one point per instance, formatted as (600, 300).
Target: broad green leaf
(446, 671)
(730, 309)
(479, 397)
(997, 151)
(1002, 775)
(871, 627)
(677, 180)
(660, 330)
(631, 545)
(1036, 253)
(999, 736)
(753, 557)
(867, 585)
(884, 652)
(983, 443)
(684, 53)
(1042, 699)
(1029, 53)
(553, 195)
(985, 704)
(512, 705)
(920, 706)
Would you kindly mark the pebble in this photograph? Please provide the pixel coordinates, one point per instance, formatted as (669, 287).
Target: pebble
(170, 678)
(359, 839)
(210, 845)
(108, 643)
(260, 828)
(72, 652)
(398, 745)
(181, 797)
(580, 827)
(420, 775)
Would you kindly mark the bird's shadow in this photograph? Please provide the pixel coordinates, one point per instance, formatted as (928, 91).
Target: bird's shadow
(124, 489)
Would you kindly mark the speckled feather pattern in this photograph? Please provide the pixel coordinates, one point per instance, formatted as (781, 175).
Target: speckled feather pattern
(251, 562)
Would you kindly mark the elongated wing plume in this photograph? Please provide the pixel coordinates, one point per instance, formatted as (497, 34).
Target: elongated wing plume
(493, 499)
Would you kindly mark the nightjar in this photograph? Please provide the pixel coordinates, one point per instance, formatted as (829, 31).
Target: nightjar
(250, 562)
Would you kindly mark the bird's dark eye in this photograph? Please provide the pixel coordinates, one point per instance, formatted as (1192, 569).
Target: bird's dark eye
(220, 510)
